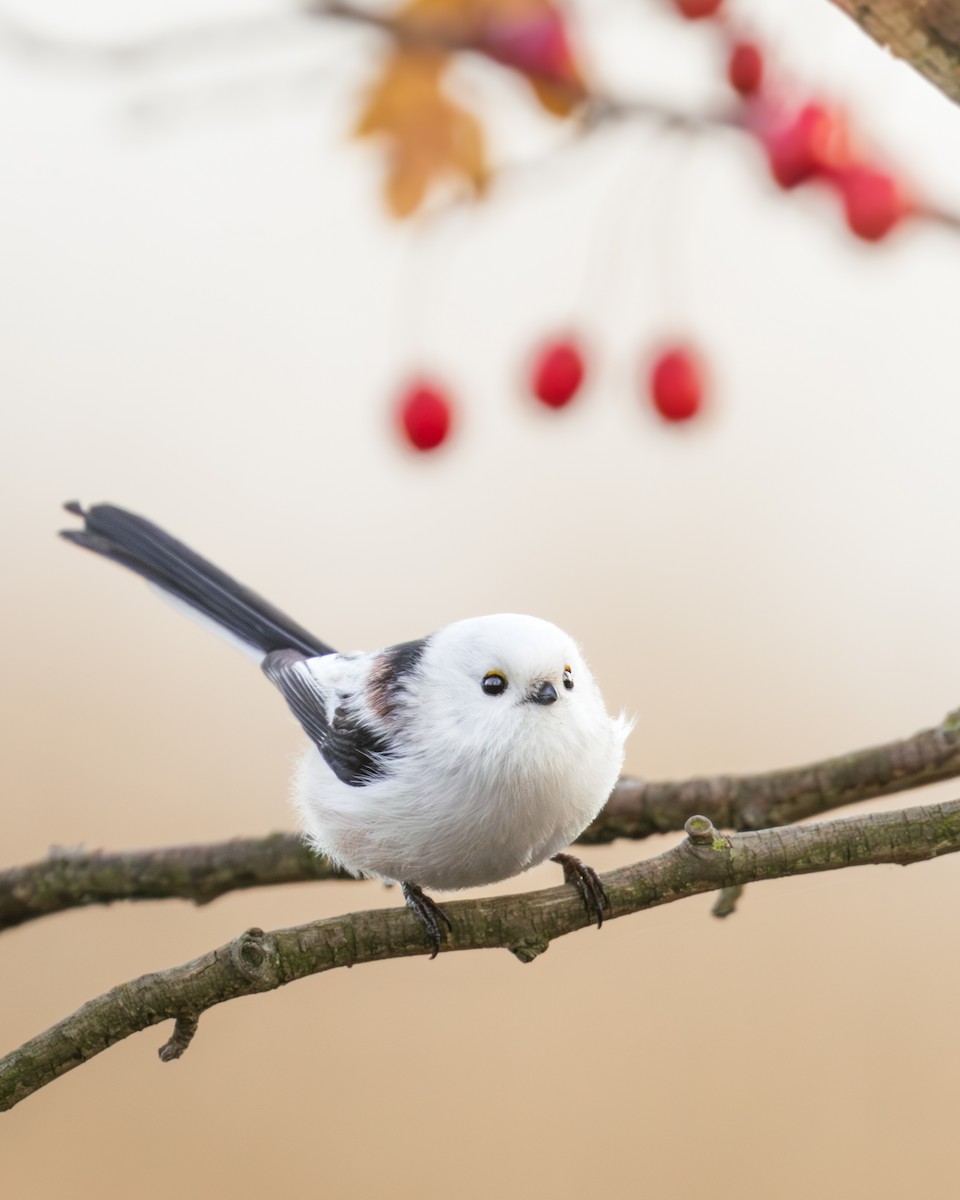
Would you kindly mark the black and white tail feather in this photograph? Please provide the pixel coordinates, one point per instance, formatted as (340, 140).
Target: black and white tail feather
(418, 772)
(151, 552)
(243, 618)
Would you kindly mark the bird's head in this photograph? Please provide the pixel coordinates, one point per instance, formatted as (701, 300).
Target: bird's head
(515, 686)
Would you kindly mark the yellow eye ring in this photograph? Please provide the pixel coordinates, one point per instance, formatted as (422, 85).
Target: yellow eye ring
(494, 683)
(568, 678)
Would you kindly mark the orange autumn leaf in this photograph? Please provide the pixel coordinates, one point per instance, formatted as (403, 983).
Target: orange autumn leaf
(429, 136)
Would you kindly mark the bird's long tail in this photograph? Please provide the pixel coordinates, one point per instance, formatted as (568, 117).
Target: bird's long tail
(175, 569)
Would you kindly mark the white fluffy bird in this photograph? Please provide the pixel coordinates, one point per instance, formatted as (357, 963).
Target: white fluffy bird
(453, 761)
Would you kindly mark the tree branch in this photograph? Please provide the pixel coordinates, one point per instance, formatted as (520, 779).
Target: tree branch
(73, 879)
(636, 809)
(524, 924)
(924, 33)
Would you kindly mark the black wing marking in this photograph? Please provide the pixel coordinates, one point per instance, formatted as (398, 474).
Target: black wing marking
(151, 552)
(354, 752)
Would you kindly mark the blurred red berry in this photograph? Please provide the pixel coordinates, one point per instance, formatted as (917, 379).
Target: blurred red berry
(676, 383)
(425, 415)
(558, 372)
(694, 10)
(872, 201)
(745, 68)
(810, 142)
(537, 44)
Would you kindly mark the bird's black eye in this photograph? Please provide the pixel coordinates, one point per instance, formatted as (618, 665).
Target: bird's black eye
(494, 683)
(568, 679)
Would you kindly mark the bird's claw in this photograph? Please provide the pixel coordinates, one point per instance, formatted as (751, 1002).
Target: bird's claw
(587, 882)
(428, 912)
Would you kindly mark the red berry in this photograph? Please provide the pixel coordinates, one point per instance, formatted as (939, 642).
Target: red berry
(694, 10)
(872, 201)
(558, 371)
(676, 383)
(812, 141)
(745, 68)
(425, 415)
(537, 44)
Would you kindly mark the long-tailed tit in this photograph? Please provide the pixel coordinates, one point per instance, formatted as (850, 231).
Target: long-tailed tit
(452, 761)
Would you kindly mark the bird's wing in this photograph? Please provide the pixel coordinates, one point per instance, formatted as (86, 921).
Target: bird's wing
(354, 750)
(351, 747)
(306, 698)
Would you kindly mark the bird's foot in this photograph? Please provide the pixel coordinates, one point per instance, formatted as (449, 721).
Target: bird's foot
(428, 912)
(588, 884)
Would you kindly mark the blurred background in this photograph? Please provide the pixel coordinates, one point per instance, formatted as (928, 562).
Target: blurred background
(208, 316)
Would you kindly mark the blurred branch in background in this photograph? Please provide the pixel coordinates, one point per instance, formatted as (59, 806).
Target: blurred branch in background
(171, 47)
(428, 137)
(636, 809)
(525, 924)
(927, 36)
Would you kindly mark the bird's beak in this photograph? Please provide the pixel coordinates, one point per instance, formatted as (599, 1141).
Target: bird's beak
(544, 693)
